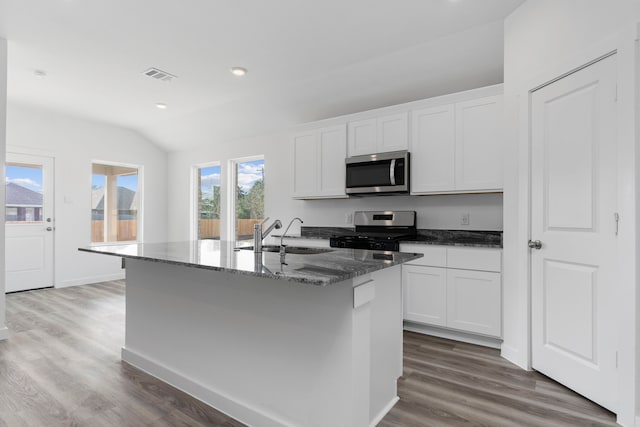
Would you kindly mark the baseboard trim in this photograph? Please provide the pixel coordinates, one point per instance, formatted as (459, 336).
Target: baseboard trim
(512, 354)
(89, 280)
(4, 333)
(384, 412)
(234, 408)
(453, 335)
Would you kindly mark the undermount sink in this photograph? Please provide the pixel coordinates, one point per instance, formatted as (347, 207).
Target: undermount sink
(297, 250)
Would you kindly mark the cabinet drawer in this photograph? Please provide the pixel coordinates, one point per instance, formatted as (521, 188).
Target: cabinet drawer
(482, 259)
(434, 256)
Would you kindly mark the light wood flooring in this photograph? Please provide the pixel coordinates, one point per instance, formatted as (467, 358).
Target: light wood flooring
(61, 367)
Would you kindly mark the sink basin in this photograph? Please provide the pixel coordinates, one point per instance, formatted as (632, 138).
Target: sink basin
(297, 250)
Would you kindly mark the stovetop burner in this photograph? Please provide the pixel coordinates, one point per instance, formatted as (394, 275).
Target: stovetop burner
(378, 230)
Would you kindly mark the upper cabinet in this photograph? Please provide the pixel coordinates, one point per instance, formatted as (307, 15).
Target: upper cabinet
(318, 163)
(457, 148)
(378, 135)
(433, 150)
(456, 145)
(479, 148)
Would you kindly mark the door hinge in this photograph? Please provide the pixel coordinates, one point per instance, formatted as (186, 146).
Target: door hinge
(616, 359)
(616, 217)
(615, 99)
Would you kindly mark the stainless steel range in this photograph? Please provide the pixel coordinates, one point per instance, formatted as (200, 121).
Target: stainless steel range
(379, 230)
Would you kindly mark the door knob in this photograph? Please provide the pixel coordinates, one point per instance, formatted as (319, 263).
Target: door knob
(535, 244)
(49, 228)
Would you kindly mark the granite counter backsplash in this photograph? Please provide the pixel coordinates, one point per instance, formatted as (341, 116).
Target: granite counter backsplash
(491, 239)
(479, 238)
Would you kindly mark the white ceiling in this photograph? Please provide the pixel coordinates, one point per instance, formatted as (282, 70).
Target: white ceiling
(307, 59)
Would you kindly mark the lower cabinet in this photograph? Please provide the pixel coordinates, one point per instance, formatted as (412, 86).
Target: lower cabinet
(425, 294)
(474, 301)
(466, 299)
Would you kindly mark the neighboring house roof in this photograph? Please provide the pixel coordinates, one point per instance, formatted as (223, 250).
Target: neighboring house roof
(127, 199)
(19, 196)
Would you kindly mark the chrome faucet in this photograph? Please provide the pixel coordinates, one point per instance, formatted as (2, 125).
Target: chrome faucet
(282, 245)
(259, 235)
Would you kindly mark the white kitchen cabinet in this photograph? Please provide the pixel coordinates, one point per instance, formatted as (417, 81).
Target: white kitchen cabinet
(433, 150)
(363, 137)
(378, 135)
(457, 288)
(457, 148)
(474, 301)
(425, 294)
(304, 164)
(318, 163)
(479, 148)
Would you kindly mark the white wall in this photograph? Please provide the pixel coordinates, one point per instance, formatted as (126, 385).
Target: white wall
(3, 122)
(439, 212)
(543, 40)
(75, 143)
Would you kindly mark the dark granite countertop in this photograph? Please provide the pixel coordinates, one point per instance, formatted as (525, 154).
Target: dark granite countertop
(319, 269)
(470, 238)
(482, 239)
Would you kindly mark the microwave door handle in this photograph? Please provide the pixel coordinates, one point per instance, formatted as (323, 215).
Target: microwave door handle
(392, 172)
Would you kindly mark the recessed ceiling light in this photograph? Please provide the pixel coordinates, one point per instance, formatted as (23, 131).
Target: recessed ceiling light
(161, 106)
(238, 71)
(41, 74)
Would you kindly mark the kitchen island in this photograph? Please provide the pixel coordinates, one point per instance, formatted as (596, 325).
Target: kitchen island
(308, 339)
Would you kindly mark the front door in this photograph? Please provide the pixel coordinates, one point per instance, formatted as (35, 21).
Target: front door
(573, 214)
(29, 222)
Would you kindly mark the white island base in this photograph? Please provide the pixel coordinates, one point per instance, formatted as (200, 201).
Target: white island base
(269, 352)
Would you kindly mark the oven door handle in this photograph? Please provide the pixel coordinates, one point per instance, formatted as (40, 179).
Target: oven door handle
(392, 172)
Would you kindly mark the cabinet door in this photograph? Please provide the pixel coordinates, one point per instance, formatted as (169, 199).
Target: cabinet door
(474, 301)
(332, 147)
(433, 150)
(479, 148)
(305, 160)
(363, 137)
(425, 294)
(393, 133)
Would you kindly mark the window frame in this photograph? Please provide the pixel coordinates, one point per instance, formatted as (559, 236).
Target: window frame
(193, 225)
(140, 191)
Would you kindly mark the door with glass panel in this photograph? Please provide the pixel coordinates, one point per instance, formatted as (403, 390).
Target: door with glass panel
(29, 226)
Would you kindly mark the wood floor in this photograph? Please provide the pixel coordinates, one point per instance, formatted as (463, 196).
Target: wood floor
(61, 367)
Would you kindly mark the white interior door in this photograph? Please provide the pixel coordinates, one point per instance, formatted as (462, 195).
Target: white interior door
(29, 222)
(573, 215)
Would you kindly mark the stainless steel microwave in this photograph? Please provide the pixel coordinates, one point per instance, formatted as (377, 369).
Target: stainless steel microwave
(383, 173)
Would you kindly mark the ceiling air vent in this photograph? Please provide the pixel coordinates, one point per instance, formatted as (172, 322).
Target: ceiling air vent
(154, 73)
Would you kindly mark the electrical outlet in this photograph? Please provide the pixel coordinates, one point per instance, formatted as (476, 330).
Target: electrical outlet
(348, 218)
(464, 218)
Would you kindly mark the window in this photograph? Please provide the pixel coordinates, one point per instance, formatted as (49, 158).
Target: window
(23, 193)
(115, 199)
(208, 201)
(248, 203)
